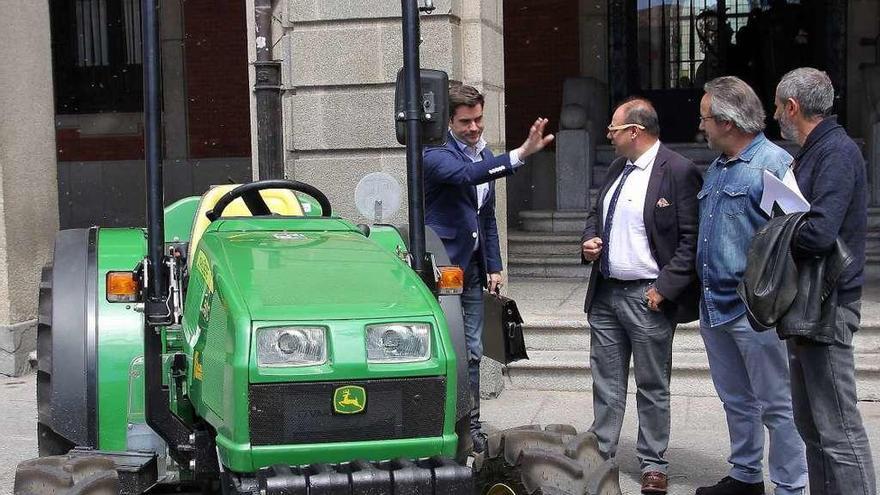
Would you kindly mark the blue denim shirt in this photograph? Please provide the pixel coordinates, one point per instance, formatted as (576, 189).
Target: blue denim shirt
(730, 214)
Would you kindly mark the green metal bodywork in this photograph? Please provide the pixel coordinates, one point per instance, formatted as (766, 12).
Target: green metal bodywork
(249, 273)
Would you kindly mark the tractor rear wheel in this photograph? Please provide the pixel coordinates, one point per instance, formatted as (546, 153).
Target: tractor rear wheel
(67, 345)
(49, 442)
(555, 460)
(56, 475)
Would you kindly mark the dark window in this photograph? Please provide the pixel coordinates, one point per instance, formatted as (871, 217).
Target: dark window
(96, 52)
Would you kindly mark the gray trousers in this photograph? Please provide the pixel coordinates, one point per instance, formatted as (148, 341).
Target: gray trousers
(623, 326)
(823, 392)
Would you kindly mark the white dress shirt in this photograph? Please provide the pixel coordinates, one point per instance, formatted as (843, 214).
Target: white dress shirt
(475, 153)
(630, 255)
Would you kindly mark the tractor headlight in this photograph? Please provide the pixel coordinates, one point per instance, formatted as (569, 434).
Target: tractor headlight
(291, 346)
(398, 342)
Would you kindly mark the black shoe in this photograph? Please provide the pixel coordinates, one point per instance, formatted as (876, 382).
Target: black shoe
(480, 441)
(731, 486)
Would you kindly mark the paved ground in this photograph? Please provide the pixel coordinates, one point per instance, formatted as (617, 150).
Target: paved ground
(698, 447)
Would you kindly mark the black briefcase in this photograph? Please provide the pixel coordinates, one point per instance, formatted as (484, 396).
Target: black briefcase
(502, 329)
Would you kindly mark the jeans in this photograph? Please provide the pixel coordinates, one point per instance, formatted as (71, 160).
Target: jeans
(472, 307)
(823, 391)
(623, 326)
(750, 373)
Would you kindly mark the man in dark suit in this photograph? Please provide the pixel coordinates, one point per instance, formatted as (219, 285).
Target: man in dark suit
(460, 207)
(641, 234)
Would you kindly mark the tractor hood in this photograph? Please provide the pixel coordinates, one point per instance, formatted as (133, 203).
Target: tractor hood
(316, 275)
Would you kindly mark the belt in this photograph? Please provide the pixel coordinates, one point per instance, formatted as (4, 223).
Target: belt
(641, 281)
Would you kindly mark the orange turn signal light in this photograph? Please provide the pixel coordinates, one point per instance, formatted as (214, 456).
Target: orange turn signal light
(451, 280)
(122, 287)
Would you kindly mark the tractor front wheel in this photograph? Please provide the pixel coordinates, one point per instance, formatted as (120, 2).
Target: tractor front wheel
(56, 475)
(554, 460)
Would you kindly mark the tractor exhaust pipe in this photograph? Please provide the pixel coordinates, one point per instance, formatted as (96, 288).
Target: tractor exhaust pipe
(157, 290)
(415, 180)
(156, 305)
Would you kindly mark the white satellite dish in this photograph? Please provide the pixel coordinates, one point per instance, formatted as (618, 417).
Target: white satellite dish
(377, 196)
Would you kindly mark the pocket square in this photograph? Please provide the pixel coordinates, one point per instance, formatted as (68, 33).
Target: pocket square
(662, 203)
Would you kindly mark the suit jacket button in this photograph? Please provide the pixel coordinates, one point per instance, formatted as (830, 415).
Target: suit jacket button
(474, 235)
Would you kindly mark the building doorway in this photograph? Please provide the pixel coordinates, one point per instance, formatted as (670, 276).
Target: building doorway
(681, 44)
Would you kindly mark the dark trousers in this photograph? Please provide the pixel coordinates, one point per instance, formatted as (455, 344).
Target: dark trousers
(472, 307)
(622, 326)
(823, 392)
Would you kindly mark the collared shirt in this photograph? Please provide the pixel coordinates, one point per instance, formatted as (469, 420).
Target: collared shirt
(730, 214)
(630, 255)
(475, 153)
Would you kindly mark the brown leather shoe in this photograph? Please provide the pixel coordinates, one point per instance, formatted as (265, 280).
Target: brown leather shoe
(654, 482)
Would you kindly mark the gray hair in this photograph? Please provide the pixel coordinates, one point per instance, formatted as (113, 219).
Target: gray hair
(734, 101)
(811, 88)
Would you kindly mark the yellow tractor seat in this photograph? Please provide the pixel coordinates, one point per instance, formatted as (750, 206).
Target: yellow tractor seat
(279, 201)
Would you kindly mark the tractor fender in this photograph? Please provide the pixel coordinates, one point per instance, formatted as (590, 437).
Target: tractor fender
(67, 345)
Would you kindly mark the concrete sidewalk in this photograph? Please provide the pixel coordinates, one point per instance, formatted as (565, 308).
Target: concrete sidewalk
(698, 445)
(697, 451)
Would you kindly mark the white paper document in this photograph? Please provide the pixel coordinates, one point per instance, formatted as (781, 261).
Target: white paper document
(784, 192)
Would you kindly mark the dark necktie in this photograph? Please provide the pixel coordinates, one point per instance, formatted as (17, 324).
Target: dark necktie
(609, 216)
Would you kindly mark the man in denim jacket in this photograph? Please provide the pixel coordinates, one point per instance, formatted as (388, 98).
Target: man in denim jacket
(749, 368)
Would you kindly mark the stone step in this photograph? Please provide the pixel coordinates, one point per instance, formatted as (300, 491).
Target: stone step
(572, 221)
(571, 332)
(570, 370)
(555, 266)
(523, 243)
(553, 221)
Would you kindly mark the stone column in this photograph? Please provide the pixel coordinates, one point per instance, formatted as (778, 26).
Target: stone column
(594, 39)
(28, 183)
(173, 81)
(341, 60)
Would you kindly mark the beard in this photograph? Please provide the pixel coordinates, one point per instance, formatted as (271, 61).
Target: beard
(787, 129)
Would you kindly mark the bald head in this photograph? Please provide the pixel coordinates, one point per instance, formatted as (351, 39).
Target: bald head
(641, 111)
(634, 128)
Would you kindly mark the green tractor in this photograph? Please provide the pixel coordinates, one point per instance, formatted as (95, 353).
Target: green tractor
(247, 341)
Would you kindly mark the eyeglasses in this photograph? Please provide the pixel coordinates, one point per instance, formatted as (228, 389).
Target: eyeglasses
(707, 118)
(614, 128)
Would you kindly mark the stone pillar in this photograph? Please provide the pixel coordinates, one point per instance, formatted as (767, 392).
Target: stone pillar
(482, 62)
(340, 64)
(173, 81)
(28, 183)
(594, 39)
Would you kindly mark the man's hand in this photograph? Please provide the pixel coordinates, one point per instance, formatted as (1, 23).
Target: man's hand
(592, 248)
(536, 140)
(654, 298)
(494, 282)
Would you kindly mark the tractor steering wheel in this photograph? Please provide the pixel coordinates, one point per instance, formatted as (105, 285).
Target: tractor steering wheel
(250, 194)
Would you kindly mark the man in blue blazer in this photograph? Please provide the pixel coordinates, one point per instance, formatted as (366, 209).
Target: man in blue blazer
(460, 207)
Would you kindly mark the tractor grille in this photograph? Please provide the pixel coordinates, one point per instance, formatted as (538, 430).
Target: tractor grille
(292, 413)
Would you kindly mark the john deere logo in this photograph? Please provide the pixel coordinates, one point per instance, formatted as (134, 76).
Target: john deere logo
(349, 399)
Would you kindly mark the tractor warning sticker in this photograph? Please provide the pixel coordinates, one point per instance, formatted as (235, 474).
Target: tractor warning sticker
(349, 399)
(197, 365)
(204, 268)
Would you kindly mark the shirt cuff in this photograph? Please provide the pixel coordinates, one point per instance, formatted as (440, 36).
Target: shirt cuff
(514, 159)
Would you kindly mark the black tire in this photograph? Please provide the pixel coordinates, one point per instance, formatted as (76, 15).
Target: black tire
(57, 475)
(555, 460)
(67, 345)
(49, 442)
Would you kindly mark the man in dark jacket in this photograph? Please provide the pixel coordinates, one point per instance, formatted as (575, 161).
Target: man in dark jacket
(460, 207)
(830, 172)
(642, 236)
